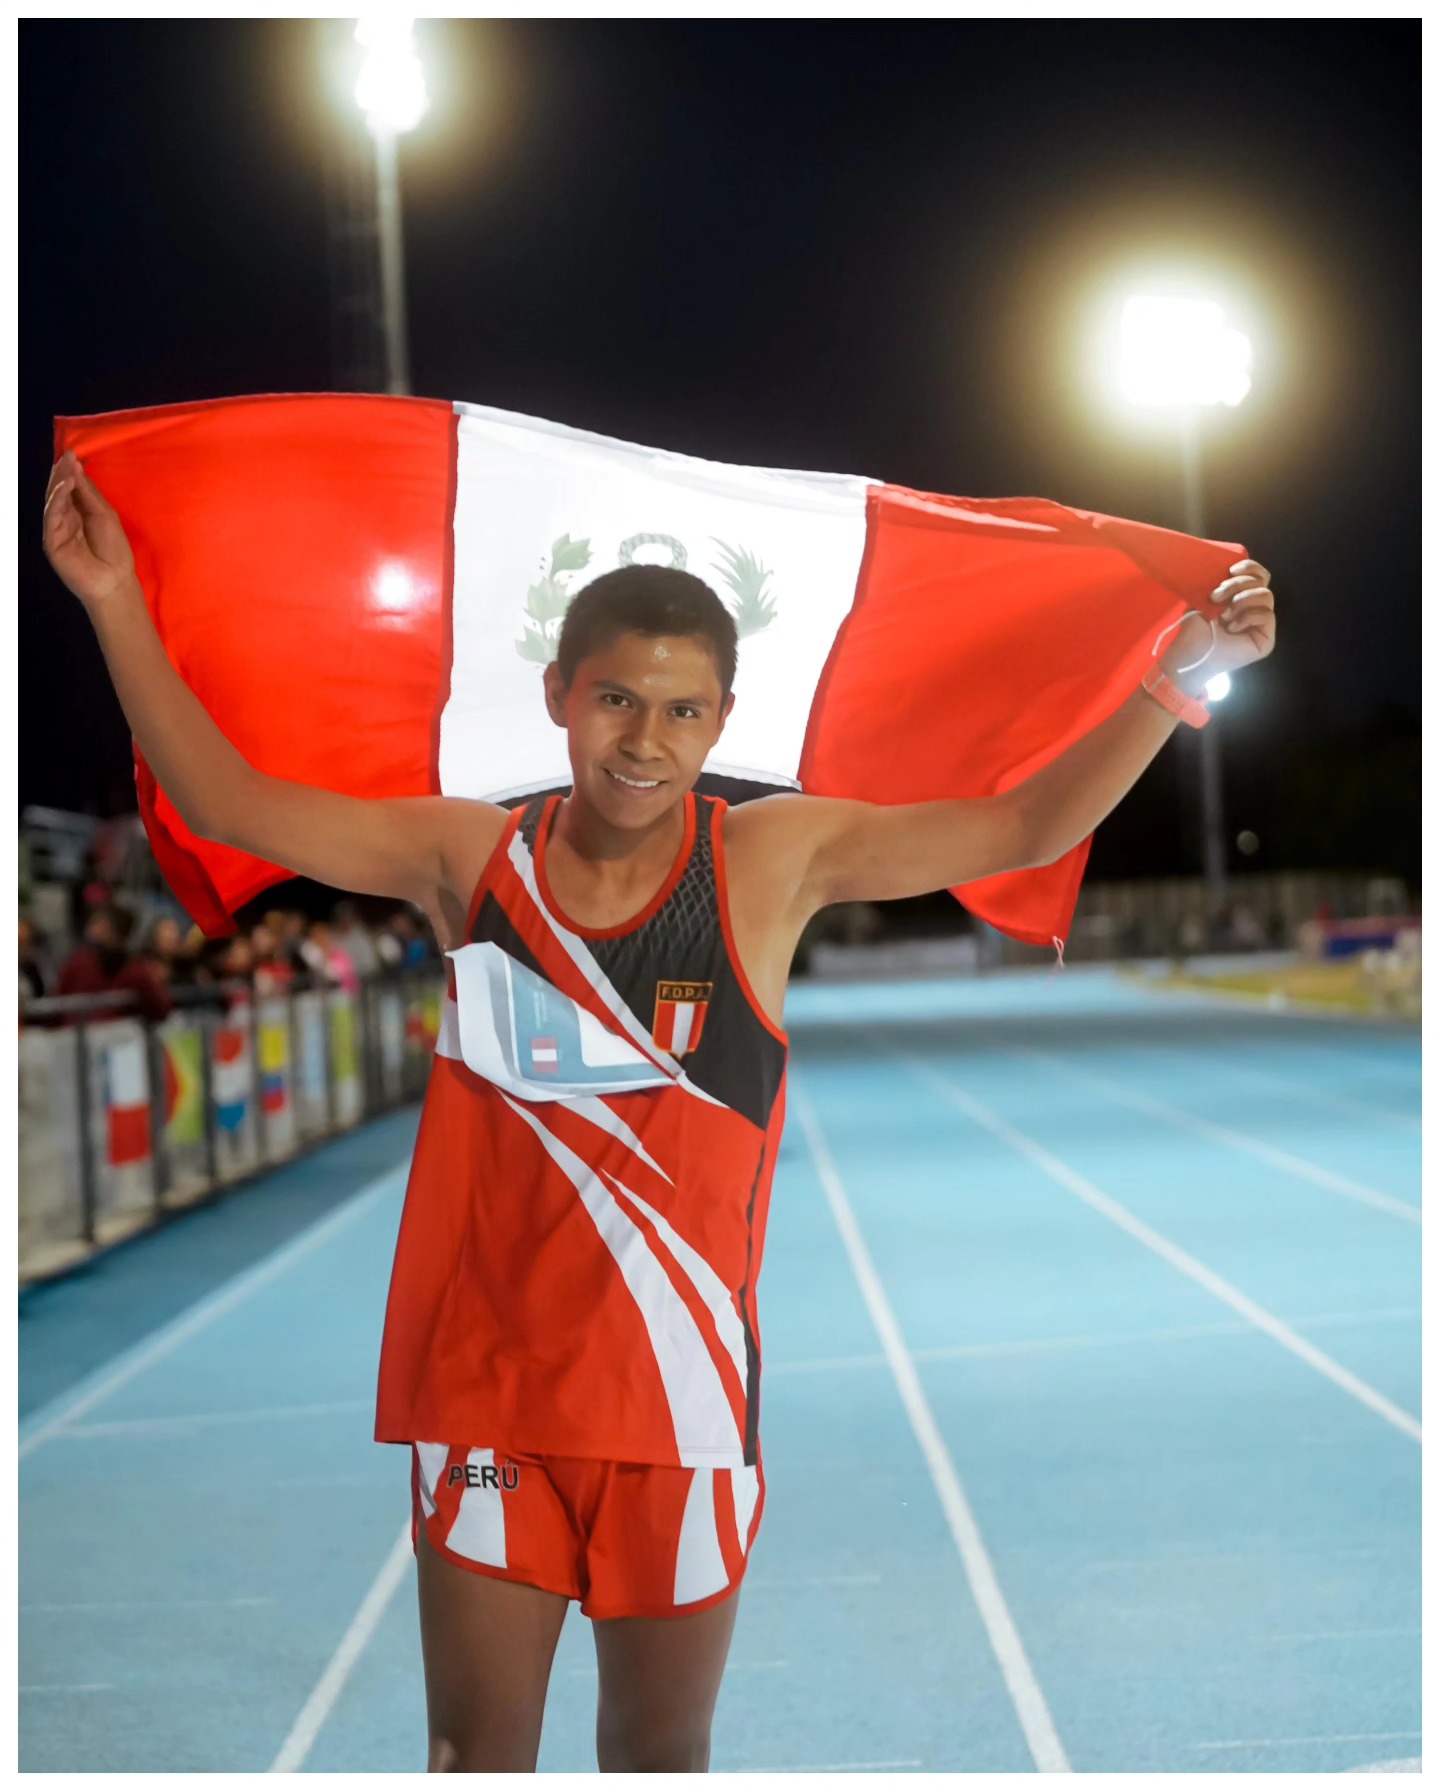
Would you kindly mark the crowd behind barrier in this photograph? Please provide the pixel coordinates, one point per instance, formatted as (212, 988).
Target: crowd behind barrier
(123, 1118)
(157, 1066)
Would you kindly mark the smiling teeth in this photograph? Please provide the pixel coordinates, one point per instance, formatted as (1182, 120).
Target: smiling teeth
(634, 783)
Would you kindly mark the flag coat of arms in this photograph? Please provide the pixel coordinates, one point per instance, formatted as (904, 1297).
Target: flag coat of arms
(364, 590)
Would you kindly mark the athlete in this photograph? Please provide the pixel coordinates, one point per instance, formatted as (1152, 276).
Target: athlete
(571, 1346)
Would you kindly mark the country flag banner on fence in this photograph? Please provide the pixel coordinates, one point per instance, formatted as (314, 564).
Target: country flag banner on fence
(363, 591)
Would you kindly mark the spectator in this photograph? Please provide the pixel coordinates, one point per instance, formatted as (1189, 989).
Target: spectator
(32, 975)
(274, 971)
(104, 965)
(403, 944)
(291, 928)
(170, 953)
(329, 961)
(352, 936)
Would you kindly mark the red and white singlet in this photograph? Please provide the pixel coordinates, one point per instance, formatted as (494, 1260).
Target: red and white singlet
(576, 1265)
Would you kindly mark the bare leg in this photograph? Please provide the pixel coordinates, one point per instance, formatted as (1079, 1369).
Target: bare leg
(488, 1647)
(659, 1679)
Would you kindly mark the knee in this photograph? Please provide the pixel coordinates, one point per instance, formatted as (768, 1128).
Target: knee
(624, 1748)
(480, 1752)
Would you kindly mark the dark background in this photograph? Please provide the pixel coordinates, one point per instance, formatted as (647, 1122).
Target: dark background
(861, 248)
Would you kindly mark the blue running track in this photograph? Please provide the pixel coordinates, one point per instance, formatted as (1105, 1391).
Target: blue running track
(1091, 1422)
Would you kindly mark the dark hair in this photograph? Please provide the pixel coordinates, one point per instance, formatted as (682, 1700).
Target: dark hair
(646, 600)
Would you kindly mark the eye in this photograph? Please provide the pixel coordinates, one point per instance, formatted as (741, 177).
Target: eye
(686, 710)
(612, 696)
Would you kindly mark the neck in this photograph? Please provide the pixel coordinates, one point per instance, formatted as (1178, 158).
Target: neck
(623, 853)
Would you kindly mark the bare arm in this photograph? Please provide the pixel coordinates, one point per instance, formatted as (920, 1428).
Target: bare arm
(856, 851)
(412, 848)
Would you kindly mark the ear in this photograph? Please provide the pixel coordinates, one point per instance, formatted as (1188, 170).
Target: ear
(554, 694)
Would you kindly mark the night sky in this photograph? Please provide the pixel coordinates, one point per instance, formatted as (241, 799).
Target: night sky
(852, 247)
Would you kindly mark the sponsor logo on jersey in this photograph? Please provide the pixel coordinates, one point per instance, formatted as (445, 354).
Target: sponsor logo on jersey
(505, 1478)
(680, 1015)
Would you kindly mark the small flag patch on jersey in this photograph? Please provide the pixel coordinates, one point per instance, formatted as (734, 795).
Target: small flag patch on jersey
(680, 1015)
(544, 1057)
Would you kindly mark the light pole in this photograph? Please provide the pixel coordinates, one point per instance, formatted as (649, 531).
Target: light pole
(391, 92)
(1179, 355)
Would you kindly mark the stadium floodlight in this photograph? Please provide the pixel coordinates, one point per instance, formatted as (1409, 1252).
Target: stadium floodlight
(1178, 352)
(391, 93)
(391, 87)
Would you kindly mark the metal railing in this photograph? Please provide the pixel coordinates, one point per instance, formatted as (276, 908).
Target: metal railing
(124, 1120)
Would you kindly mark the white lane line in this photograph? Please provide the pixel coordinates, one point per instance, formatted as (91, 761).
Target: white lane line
(1333, 1635)
(1243, 1069)
(1025, 1693)
(1182, 1260)
(1186, 1121)
(1215, 1747)
(1412, 1764)
(1036, 1346)
(134, 1362)
(154, 1604)
(296, 1747)
(183, 1422)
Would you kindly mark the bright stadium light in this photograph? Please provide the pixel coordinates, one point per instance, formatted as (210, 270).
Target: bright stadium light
(391, 88)
(1177, 352)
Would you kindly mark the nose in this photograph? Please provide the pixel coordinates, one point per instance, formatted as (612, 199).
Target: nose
(641, 740)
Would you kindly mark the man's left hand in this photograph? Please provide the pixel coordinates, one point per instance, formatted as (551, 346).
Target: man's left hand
(1243, 608)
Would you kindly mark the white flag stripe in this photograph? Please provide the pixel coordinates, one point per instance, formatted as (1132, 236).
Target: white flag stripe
(540, 510)
(127, 1082)
(684, 1016)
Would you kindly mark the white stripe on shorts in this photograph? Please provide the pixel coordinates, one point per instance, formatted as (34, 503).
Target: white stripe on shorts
(745, 1483)
(478, 1532)
(699, 1564)
(432, 1466)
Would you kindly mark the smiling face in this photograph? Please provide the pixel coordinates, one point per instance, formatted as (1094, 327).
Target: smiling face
(642, 712)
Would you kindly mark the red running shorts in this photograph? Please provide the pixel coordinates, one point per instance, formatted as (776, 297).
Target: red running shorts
(628, 1539)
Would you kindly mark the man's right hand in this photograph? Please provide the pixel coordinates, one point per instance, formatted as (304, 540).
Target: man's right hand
(84, 538)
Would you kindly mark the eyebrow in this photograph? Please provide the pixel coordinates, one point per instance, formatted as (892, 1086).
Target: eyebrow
(695, 702)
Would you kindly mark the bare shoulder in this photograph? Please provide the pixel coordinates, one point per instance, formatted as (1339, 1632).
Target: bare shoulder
(771, 843)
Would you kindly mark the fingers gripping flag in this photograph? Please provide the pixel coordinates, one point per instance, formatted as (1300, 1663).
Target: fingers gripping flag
(364, 590)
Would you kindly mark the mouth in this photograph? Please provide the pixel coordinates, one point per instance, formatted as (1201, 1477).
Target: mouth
(637, 786)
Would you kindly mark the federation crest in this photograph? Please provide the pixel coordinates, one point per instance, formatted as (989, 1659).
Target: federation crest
(680, 1010)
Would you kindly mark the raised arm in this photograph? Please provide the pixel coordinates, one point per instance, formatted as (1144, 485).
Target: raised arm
(857, 851)
(425, 849)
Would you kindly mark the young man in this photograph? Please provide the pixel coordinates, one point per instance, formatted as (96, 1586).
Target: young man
(571, 1345)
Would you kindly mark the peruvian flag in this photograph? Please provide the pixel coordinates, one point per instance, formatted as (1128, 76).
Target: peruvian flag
(127, 1103)
(363, 591)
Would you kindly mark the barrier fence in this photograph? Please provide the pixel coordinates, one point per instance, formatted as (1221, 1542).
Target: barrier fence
(123, 1120)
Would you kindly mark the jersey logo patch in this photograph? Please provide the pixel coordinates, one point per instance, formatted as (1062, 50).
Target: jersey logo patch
(680, 1015)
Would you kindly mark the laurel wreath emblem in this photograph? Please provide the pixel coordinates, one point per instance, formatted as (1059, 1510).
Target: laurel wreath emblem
(547, 600)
